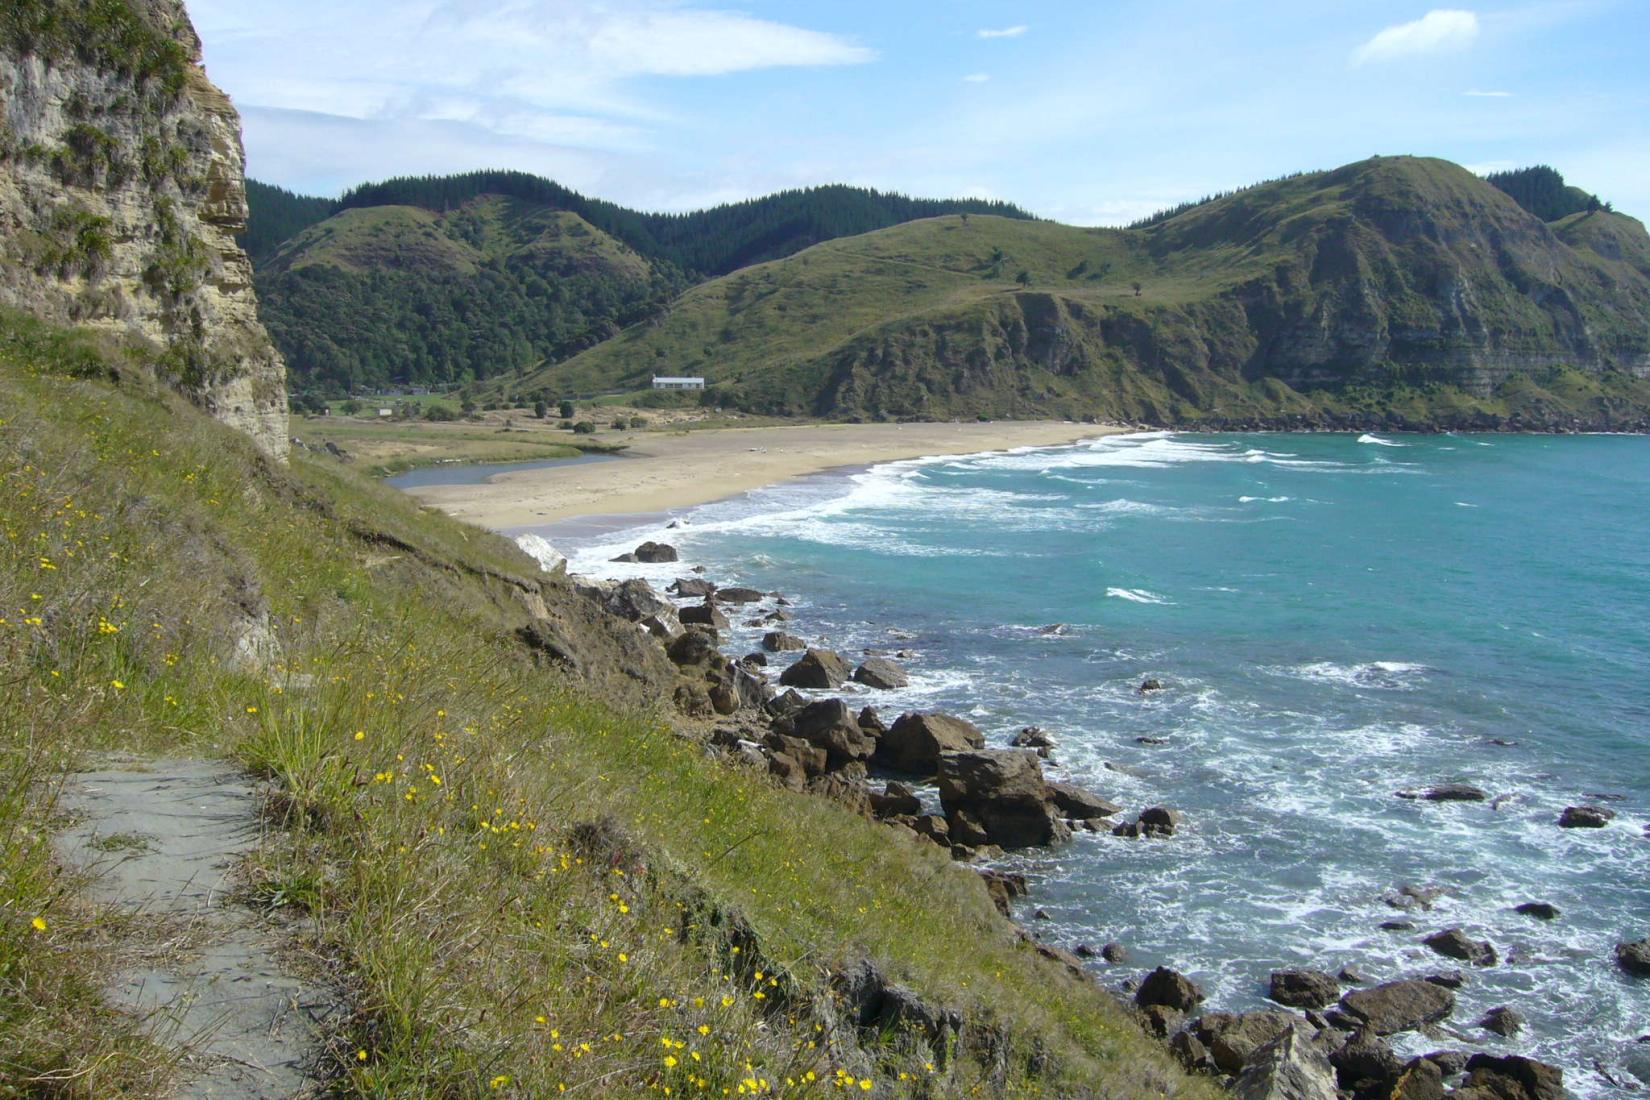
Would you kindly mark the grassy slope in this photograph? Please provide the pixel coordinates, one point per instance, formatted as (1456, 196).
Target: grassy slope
(406, 238)
(520, 880)
(929, 318)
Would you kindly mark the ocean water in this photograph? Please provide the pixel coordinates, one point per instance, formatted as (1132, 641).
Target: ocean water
(1334, 618)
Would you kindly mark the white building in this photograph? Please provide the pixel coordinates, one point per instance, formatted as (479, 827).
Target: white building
(661, 382)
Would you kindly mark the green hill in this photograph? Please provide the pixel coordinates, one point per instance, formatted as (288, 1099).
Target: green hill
(453, 278)
(1396, 289)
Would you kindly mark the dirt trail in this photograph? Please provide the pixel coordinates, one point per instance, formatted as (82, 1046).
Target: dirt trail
(162, 837)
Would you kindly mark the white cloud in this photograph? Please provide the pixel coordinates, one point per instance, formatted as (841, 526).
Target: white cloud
(976, 78)
(710, 43)
(1476, 94)
(1437, 30)
(1002, 32)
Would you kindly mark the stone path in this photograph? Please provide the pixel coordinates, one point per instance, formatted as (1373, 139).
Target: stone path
(161, 837)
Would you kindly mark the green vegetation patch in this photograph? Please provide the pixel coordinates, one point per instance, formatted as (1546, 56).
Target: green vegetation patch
(112, 35)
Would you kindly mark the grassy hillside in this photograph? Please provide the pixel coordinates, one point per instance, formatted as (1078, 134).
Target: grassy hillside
(1400, 286)
(444, 279)
(519, 878)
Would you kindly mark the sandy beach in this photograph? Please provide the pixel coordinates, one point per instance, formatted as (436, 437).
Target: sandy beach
(677, 470)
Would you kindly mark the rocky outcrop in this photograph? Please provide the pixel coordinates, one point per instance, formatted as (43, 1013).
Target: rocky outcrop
(121, 192)
(817, 668)
(880, 673)
(1290, 1067)
(914, 742)
(1398, 1006)
(1303, 988)
(1634, 957)
(1456, 944)
(998, 797)
(1585, 817)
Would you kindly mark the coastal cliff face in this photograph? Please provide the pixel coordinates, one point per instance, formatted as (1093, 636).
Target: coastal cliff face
(121, 191)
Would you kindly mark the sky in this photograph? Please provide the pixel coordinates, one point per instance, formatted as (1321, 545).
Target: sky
(1092, 113)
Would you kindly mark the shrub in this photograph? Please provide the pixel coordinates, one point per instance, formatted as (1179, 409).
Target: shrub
(584, 427)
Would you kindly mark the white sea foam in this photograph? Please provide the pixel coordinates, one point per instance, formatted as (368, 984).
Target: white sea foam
(1378, 441)
(1135, 595)
(1387, 675)
(1266, 500)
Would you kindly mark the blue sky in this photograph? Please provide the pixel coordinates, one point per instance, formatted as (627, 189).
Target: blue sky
(1091, 113)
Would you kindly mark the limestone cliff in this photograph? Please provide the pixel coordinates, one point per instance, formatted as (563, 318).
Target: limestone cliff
(121, 191)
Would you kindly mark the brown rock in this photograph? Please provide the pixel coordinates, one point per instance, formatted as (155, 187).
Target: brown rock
(1304, 988)
(830, 725)
(777, 641)
(1074, 802)
(914, 742)
(817, 668)
(1398, 1006)
(880, 673)
(1585, 817)
(1168, 987)
(1002, 792)
(1456, 944)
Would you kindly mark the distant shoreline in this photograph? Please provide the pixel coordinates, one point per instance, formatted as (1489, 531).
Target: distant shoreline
(660, 472)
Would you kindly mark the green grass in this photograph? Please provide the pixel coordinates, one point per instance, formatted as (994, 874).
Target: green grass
(390, 447)
(522, 880)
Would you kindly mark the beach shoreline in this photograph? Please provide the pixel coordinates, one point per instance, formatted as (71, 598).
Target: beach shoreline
(661, 473)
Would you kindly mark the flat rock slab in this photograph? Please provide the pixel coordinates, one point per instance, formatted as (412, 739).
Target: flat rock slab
(163, 838)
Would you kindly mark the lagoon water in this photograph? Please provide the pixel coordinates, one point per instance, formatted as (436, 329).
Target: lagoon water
(1334, 619)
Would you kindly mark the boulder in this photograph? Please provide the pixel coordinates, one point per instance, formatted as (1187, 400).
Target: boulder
(830, 725)
(1450, 979)
(1162, 1021)
(1398, 1006)
(692, 588)
(738, 595)
(664, 626)
(1456, 944)
(1512, 1078)
(1290, 1067)
(1154, 821)
(777, 641)
(1304, 988)
(1150, 683)
(1115, 953)
(633, 599)
(703, 614)
(1170, 988)
(1033, 737)
(1503, 1021)
(1585, 817)
(780, 616)
(1447, 792)
(871, 722)
(817, 668)
(1409, 897)
(1004, 793)
(1420, 1079)
(895, 799)
(653, 553)
(880, 672)
(1232, 1038)
(1076, 803)
(1366, 1057)
(1540, 910)
(914, 742)
(1634, 957)
(694, 647)
(782, 706)
(812, 759)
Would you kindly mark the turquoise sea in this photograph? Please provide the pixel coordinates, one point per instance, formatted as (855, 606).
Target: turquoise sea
(1335, 618)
